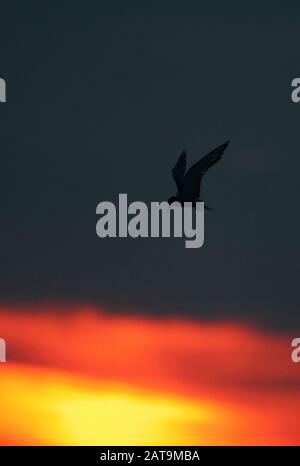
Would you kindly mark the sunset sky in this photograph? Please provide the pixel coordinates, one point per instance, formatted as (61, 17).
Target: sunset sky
(142, 341)
(85, 377)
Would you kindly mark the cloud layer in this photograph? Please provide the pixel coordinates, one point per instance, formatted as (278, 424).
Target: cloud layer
(86, 377)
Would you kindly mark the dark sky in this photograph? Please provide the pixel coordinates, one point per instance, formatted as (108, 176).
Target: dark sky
(101, 100)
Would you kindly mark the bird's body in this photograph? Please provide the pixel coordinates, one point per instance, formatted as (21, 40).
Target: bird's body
(189, 183)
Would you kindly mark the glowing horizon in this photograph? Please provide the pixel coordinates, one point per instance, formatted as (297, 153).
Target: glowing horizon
(85, 377)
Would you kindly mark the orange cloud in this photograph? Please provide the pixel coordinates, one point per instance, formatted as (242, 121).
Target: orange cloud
(81, 376)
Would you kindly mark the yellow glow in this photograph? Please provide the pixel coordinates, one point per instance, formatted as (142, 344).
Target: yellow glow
(79, 411)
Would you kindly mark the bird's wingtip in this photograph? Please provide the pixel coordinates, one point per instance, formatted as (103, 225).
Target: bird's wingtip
(224, 146)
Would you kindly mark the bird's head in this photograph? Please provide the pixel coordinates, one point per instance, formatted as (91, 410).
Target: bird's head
(172, 199)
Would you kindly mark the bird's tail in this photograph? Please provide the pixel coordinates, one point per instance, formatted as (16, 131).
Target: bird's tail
(209, 208)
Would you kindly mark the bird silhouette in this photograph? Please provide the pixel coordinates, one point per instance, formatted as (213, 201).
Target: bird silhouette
(189, 183)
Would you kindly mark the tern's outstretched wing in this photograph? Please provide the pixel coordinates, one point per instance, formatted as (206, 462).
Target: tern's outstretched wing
(179, 170)
(193, 177)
